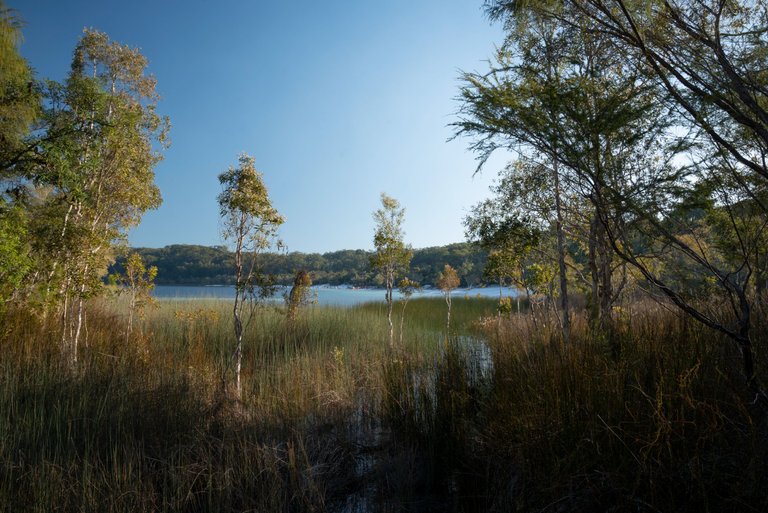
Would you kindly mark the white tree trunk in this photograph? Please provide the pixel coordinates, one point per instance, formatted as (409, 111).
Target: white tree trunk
(566, 323)
(390, 284)
(448, 318)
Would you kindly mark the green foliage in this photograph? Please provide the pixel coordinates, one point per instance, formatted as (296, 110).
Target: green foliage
(19, 97)
(244, 199)
(299, 294)
(629, 98)
(137, 283)
(82, 179)
(138, 277)
(407, 287)
(250, 222)
(448, 280)
(505, 305)
(510, 236)
(391, 255)
(15, 262)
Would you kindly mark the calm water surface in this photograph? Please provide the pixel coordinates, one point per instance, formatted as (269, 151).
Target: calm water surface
(326, 295)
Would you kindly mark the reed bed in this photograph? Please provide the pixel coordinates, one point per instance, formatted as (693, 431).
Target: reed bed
(332, 418)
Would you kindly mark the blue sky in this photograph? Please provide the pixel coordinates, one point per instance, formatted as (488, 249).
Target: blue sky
(337, 101)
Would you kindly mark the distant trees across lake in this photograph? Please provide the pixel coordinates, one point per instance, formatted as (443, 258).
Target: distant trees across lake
(184, 264)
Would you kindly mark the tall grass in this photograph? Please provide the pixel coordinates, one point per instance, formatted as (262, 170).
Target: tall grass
(142, 424)
(666, 426)
(332, 419)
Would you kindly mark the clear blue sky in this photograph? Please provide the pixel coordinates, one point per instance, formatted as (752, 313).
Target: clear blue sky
(337, 101)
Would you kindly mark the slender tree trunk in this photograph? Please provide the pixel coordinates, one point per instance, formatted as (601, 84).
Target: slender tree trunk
(553, 304)
(80, 314)
(79, 325)
(501, 296)
(564, 303)
(131, 307)
(747, 355)
(594, 307)
(605, 262)
(389, 313)
(237, 356)
(448, 318)
(390, 284)
(531, 308)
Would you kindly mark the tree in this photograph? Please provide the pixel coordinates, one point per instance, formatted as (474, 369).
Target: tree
(137, 282)
(407, 288)
(19, 96)
(707, 57)
(94, 174)
(19, 108)
(562, 99)
(527, 204)
(299, 294)
(447, 281)
(500, 267)
(391, 256)
(510, 235)
(251, 222)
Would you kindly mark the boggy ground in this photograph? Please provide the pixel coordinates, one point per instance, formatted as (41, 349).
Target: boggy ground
(332, 419)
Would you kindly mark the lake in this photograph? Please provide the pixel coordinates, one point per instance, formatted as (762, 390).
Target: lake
(326, 295)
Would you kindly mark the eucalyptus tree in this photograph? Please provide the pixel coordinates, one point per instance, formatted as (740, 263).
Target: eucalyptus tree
(391, 257)
(447, 281)
(251, 223)
(95, 174)
(407, 288)
(299, 295)
(137, 282)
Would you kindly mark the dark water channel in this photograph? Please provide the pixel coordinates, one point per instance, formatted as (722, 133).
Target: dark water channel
(372, 440)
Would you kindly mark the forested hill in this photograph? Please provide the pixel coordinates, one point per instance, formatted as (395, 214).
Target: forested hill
(205, 265)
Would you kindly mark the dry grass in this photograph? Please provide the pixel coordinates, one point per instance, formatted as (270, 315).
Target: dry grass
(331, 417)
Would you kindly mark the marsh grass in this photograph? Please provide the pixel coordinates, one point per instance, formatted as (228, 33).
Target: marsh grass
(331, 419)
(666, 426)
(143, 425)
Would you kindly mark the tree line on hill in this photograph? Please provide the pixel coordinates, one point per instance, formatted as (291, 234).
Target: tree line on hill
(186, 264)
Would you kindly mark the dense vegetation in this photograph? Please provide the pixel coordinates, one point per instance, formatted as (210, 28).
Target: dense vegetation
(203, 265)
(331, 420)
(633, 218)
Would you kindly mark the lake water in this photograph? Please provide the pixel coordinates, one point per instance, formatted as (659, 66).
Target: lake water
(326, 295)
